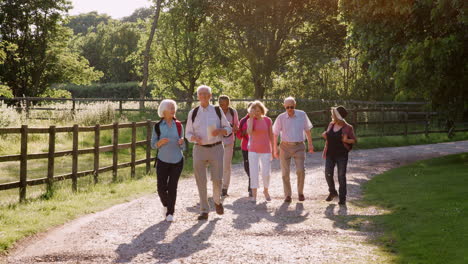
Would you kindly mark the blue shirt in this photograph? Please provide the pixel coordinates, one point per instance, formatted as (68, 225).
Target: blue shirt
(172, 151)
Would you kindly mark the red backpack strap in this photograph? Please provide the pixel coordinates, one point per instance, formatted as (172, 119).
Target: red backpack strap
(179, 127)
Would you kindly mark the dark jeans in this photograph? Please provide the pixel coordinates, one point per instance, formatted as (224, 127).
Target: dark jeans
(341, 163)
(168, 177)
(245, 156)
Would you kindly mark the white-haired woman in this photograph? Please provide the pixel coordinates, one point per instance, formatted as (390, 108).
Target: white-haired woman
(168, 139)
(260, 146)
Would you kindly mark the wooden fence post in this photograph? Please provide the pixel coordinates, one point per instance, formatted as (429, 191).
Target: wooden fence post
(406, 123)
(73, 105)
(133, 150)
(23, 162)
(115, 151)
(27, 103)
(355, 113)
(382, 121)
(97, 143)
(148, 146)
(426, 127)
(120, 107)
(75, 159)
(51, 159)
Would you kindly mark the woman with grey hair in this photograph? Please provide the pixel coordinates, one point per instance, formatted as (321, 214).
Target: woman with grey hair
(168, 139)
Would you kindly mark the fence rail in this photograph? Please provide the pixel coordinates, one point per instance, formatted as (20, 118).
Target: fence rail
(24, 156)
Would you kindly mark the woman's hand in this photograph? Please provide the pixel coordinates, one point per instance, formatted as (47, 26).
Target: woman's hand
(162, 142)
(324, 135)
(181, 141)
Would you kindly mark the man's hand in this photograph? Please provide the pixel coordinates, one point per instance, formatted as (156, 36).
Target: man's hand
(181, 141)
(162, 142)
(235, 128)
(311, 147)
(196, 139)
(219, 131)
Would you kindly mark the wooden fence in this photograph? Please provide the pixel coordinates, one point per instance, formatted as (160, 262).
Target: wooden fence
(406, 117)
(24, 156)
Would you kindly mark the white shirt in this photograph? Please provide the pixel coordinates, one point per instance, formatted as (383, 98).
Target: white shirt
(205, 122)
(234, 120)
(292, 128)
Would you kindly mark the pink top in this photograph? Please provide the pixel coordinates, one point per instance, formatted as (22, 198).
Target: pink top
(259, 140)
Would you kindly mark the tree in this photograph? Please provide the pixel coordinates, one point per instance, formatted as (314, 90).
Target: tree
(35, 28)
(84, 22)
(108, 48)
(139, 14)
(185, 49)
(262, 32)
(415, 49)
(146, 53)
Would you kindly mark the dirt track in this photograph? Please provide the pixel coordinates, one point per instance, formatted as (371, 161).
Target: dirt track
(314, 231)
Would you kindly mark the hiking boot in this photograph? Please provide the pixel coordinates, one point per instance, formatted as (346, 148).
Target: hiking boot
(219, 209)
(331, 196)
(203, 216)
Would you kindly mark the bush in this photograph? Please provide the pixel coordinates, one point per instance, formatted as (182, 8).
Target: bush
(96, 113)
(9, 117)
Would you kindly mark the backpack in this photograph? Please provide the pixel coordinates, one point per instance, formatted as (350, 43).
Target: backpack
(218, 113)
(157, 130)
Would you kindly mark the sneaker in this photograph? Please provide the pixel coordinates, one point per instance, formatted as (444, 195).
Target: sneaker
(301, 197)
(331, 196)
(224, 193)
(170, 218)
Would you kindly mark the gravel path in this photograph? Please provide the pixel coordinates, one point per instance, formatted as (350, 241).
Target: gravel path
(310, 232)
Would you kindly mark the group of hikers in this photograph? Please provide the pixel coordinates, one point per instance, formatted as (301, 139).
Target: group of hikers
(213, 129)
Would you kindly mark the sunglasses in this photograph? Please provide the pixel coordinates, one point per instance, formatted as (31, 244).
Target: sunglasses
(289, 107)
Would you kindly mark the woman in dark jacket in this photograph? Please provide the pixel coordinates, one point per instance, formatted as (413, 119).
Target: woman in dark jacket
(339, 138)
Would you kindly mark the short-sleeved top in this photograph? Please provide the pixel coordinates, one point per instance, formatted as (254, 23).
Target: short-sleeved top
(292, 128)
(172, 151)
(259, 140)
(336, 147)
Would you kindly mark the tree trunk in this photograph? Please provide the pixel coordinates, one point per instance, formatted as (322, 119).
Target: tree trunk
(144, 84)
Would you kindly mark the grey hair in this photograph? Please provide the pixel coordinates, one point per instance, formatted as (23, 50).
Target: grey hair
(290, 98)
(201, 87)
(164, 105)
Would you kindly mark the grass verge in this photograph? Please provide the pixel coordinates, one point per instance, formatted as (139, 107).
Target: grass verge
(428, 219)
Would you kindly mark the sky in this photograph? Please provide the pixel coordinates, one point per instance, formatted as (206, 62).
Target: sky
(114, 8)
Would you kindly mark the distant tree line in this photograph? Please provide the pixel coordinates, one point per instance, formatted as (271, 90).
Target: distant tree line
(367, 50)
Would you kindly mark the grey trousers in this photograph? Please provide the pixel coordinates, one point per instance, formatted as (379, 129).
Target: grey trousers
(298, 153)
(212, 157)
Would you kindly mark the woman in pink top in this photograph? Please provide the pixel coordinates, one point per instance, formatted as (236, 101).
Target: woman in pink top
(260, 148)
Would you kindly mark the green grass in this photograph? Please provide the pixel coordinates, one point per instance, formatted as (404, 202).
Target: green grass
(39, 214)
(428, 219)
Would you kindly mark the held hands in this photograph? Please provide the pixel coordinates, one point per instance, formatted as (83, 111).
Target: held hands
(181, 141)
(276, 153)
(162, 142)
(235, 128)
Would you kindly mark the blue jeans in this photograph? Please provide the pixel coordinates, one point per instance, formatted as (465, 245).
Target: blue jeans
(341, 163)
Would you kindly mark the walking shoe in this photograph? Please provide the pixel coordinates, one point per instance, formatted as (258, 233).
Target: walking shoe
(342, 202)
(170, 218)
(203, 216)
(288, 199)
(219, 209)
(267, 196)
(224, 193)
(301, 197)
(331, 196)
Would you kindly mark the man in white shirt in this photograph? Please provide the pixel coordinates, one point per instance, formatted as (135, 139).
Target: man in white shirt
(293, 125)
(228, 141)
(206, 126)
